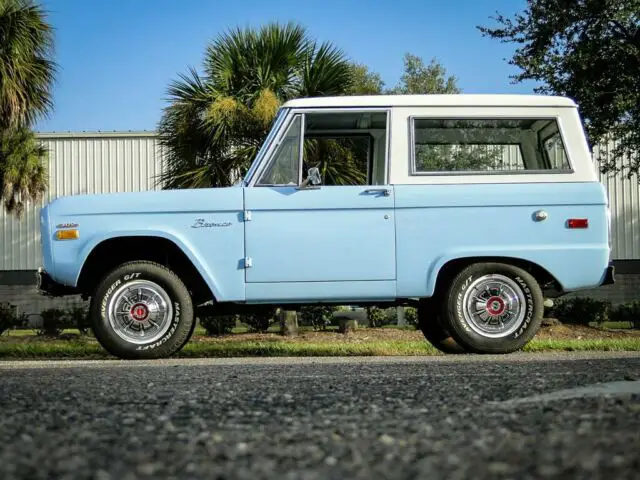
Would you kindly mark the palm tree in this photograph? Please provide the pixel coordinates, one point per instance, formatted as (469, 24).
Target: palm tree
(216, 122)
(26, 76)
(22, 176)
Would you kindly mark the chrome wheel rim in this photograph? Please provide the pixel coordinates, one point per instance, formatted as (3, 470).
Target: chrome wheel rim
(494, 306)
(140, 312)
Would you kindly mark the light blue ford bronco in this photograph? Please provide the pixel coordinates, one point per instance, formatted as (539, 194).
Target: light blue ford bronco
(474, 208)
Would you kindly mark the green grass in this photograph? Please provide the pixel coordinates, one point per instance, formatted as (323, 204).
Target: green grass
(615, 325)
(585, 345)
(59, 349)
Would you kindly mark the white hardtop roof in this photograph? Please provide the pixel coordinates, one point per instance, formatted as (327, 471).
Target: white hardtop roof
(446, 100)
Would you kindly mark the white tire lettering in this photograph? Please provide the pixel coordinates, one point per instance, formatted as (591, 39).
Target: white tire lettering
(103, 304)
(459, 306)
(169, 334)
(530, 306)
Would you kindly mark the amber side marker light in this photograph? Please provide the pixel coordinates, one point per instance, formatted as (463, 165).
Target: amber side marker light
(68, 234)
(578, 223)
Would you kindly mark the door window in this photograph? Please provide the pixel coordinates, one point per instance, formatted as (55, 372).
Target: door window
(348, 148)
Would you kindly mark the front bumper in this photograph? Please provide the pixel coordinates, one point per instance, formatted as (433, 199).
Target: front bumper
(49, 287)
(609, 277)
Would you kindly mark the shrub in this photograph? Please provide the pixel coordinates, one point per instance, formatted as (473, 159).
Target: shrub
(79, 318)
(257, 322)
(54, 321)
(581, 311)
(411, 316)
(376, 316)
(390, 316)
(10, 318)
(629, 312)
(317, 316)
(219, 324)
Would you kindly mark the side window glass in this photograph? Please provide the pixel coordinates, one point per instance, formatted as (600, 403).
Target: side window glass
(341, 160)
(348, 148)
(284, 166)
(554, 151)
(487, 145)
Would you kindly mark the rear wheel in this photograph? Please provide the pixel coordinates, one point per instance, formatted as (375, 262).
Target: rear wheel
(142, 310)
(432, 329)
(493, 308)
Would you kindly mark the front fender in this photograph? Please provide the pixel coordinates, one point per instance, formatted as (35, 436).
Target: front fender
(173, 215)
(182, 243)
(69, 264)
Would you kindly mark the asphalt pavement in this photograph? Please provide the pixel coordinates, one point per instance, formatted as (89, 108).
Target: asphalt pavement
(468, 417)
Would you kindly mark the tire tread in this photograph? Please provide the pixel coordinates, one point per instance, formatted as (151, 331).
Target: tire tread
(182, 333)
(475, 343)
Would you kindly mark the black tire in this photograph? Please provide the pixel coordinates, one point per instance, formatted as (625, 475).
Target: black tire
(432, 329)
(179, 323)
(463, 330)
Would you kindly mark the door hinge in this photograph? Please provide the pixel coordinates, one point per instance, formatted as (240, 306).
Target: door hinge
(246, 215)
(248, 262)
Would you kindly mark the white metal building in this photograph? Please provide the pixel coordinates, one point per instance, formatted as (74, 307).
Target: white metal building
(79, 163)
(102, 162)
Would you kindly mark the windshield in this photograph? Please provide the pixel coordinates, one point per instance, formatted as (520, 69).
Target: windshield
(265, 145)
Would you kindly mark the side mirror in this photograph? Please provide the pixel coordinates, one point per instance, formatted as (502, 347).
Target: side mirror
(313, 176)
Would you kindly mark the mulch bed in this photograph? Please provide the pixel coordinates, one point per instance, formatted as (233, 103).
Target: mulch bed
(362, 335)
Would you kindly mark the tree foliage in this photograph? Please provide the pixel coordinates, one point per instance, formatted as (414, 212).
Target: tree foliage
(588, 50)
(22, 173)
(216, 122)
(417, 78)
(364, 81)
(421, 78)
(342, 161)
(26, 77)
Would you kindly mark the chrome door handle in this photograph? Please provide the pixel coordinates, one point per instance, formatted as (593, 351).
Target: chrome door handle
(384, 191)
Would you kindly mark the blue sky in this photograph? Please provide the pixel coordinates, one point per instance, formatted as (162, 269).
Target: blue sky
(116, 57)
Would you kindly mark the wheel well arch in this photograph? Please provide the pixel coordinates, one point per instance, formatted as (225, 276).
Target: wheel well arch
(451, 268)
(112, 252)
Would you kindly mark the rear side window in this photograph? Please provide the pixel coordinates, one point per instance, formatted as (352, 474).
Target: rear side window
(487, 146)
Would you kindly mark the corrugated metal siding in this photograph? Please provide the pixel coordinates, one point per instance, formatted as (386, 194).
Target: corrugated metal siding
(78, 164)
(624, 199)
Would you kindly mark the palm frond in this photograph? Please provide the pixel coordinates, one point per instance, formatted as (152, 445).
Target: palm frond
(340, 161)
(27, 70)
(23, 176)
(215, 123)
(324, 72)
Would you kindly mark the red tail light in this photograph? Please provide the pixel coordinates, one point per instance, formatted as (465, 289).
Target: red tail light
(578, 223)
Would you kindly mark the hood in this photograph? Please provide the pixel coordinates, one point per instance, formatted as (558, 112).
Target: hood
(164, 201)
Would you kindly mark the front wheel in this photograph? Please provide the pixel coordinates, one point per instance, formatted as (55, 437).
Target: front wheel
(142, 310)
(493, 308)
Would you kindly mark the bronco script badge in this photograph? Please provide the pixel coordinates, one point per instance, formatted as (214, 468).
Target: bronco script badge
(200, 223)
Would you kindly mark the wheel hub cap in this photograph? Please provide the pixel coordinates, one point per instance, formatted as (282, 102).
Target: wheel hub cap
(140, 312)
(494, 306)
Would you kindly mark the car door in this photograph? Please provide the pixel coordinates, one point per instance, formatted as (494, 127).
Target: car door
(339, 240)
